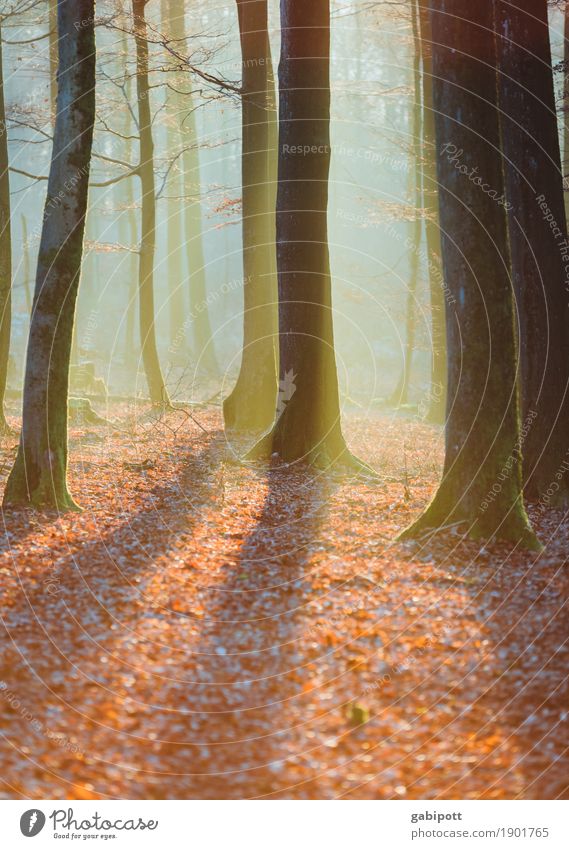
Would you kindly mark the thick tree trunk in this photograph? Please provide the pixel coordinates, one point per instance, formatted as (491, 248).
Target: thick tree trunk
(538, 239)
(200, 324)
(438, 391)
(566, 109)
(39, 475)
(150, 359)
(252, 403)
(308, 414)
(5, 252)
(481, 485)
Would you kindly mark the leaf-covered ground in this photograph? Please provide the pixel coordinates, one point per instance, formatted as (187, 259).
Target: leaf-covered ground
(204, 629)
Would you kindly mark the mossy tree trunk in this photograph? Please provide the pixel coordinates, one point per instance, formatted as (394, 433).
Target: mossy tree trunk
(5, 251)
(438, 390)
(150, 359)
(481, 484)
(308, 426)
(252, 403)
(539, 246)
(39, 474)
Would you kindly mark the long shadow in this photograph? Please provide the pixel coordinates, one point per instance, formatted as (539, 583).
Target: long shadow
(92, 601)
(232, 744)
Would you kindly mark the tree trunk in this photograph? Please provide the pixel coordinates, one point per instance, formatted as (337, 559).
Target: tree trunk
(308, 412)
(26, 264)
(202, 335)
(401, 395)
(252, 403)
(53, 58)
(481, 485)
(5, 252)
(538, 239)
(154, 378)
(174, 192)
(127, 221)
(39, 475)
(438, 391)
(566, 109)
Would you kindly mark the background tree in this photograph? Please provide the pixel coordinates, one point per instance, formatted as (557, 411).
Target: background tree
(252, 403)
(481, 484)
(534, 188)
(5, 249)
(151, 361)
(438, 391)
(39, 474)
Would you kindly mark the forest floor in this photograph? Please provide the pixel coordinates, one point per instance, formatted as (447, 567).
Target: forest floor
(208, 630)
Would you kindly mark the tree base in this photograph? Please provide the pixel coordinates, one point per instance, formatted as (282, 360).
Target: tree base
(513, 528)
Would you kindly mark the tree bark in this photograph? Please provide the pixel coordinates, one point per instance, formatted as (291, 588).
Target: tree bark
(481, 484)
(438, 390)
(156, 386)
(308, 413)
(5, 251)
(252, 403)
(538, 239)
(39, 474)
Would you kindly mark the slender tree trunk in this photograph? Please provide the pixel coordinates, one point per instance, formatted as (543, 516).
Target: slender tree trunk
(128, 218)
(438, 392)
(5, 252)
(481, 485)
(53, 58)
(401, 394)
(174, 192)
(538, 239)
(252, 403)
(26, 264)
(154, 378)
(308, 413)
(199, 307)
(39, 475)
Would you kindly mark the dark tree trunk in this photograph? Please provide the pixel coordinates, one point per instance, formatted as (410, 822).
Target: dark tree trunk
(5, 252)
(566, 109)
(538, 239)
(252, 403)
(481, 485)
(308, 413)
(39, 475)
(150, 359)
(438, 391)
